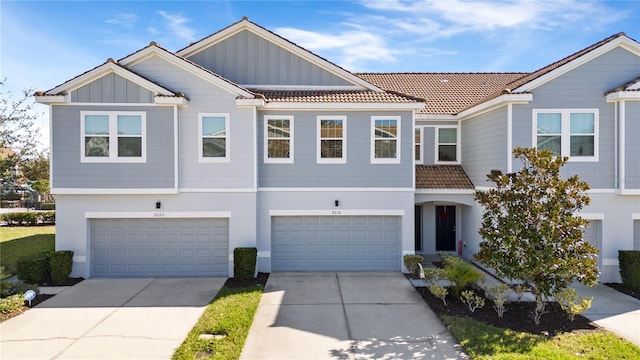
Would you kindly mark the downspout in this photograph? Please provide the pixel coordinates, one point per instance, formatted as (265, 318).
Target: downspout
(176, 146)
(509, 137)
(615, 146)
(622, 144)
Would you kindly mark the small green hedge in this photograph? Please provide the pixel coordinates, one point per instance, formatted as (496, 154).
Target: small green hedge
(630, 268)
(11, 303)
(29, 218)
(60, 264)
(411, 263)
(34, 269)
(244, 262)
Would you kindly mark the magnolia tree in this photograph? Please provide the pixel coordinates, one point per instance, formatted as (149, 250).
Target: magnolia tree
(530, 229)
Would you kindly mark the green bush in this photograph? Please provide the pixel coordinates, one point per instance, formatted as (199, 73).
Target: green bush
(244, 262)
(411, 263)
(29, 218)
(48, 217)
(460, 273)
(13, 288)
(630, 268)
(11, 303)
(34, 269)
(61, 263)
(47, 206)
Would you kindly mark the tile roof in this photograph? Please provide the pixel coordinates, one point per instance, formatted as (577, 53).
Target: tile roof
(442, 177)
(334, 96)
(627, 86)
(444, 93)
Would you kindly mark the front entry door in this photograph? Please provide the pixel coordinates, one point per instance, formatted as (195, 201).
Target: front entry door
(445, 228)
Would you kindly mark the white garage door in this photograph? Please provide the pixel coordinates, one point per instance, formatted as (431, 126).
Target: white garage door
(335, 243)
(159, 247)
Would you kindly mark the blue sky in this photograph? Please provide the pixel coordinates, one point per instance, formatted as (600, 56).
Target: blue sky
(44, 43)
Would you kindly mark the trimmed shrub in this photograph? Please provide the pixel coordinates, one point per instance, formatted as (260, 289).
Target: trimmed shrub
(11, 303)
(34, 269)
(61, 263)
(460, 273)
(48, 217)
(411, 263)
(244, 262)
(630, 268)
(47, 206)
(29, 218)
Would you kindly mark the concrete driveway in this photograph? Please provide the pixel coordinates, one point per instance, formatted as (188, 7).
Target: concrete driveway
(346, 316)
(110, 319)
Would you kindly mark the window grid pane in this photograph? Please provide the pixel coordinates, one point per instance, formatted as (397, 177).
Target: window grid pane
(447, 153)
(582, 145)
(552, 143)
(385, 149)
(96, 124)
(214, 147)
(278, 149)
(129, 146)
(447, 136)
(386, 129)
(582, 123)
(278, 138)
(96, 146)
(331, 139)
(130, 125)
(549, 123)
(214, 127)
(418, 144)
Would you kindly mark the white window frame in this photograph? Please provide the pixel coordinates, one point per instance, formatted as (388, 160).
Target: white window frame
(420, 159)
(565, 136)
(319, 158)
(267, 159)
(113, 138)
(395, 160)
(227, 142)
(437, 144)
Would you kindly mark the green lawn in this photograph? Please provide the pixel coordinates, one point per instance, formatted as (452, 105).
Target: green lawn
(483, 341)
(230, 314)
(20, 241)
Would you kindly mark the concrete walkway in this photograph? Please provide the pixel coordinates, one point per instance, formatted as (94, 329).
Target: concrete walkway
(346, 316)
(614, 311)
(110, 319)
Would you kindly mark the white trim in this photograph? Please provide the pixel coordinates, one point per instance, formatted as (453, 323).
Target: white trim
(495, 103)
(170, 100)
(601, 191)
(79, 258)
(300, 87)
(217, 190)
(156, 214)
(95, 191)
(446, 191)
(610, 262)
(591, 216)
(620, 41)
(254, 112)
(635, 216)
(565, 132)
(342, 106)
(51, 99)
(281, 42)
(420, 160)
(113, 138)
(51, 184)
(106, 69)
(171, 58)
(176, 147)
(509, 138)
(266, 158)
(83, 104)
(336, 212)
(437, 144)
(319, 138)
(622, 144)
(623, 95)
(484, 188)
(264, 254)
(227, 139)
(398, 139)
(435, 117)
(629, 192)
(334, 189)
(250, 102)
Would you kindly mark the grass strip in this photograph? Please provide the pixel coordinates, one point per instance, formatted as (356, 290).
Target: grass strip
(230, 314)
(483, 341)
(21, 241)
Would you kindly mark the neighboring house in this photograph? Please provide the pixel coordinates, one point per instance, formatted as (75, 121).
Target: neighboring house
(164, 162)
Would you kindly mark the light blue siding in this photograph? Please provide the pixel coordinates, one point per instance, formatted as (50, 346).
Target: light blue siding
(69, 172)
(245, 58)
(358, 170)
(583, 88)
(111, 88)
(206, 97)
(484, 145)
(632, 145)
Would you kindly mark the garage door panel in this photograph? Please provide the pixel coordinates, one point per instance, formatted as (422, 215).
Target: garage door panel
(335, 243)
(159, 247)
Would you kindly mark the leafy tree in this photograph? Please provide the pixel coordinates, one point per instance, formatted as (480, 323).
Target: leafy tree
(37, 168)
(530, 229)
(41, 186)
(17, 123)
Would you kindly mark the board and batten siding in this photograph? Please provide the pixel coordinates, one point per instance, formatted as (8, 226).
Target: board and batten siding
(358, 171)
(69, 172)
(206, 97)
(632, 145)
(245, 58)
(484, 145)
(583, 88)
(111, 88)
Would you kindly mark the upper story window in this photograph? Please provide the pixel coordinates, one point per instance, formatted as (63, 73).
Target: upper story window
(447, 144)
(567, 132)
(278, 143)
(214, 137)
(113, 136)
(332, 139)
(418, 145)
(385, 139)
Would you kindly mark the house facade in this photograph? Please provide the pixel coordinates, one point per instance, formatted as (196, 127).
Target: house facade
(165, 162)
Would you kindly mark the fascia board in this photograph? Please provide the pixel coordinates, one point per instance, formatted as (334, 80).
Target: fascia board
(105, 69)
(150, 51)
(342, 106)
(494, 103)
(164, 100)
(623, 95)
(51, 99)
(295, 49)
(623, 42)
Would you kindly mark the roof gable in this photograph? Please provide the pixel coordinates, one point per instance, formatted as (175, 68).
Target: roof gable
(245, 25)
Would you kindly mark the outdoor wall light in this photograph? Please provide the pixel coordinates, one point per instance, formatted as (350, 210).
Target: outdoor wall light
(337, 202)
(158, 204)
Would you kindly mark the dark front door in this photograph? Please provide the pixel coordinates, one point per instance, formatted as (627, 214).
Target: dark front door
(418, 228)
(445, 228)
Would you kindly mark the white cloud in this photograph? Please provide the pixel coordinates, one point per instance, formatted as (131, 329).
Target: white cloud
(177, 24)
(126, 20)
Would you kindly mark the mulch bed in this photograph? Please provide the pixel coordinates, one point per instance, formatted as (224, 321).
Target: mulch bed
(68, 282)
(517, 317)
(625, 290)
(238, 283)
